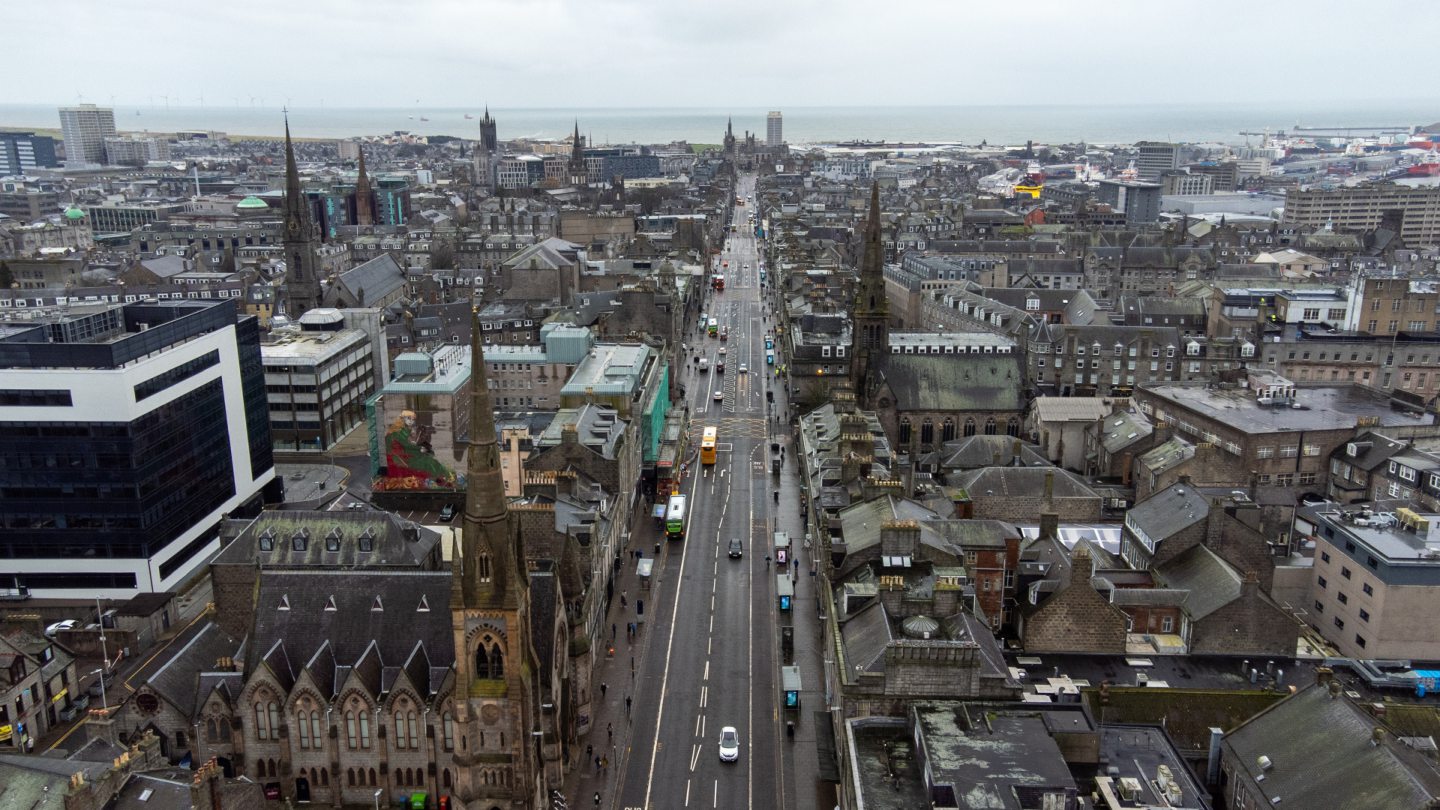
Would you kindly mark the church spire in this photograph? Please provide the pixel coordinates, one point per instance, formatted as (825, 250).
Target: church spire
(871, 290)
(296, 212)
(870, 314)
(364, 201)
(302, 272)
(494, 573)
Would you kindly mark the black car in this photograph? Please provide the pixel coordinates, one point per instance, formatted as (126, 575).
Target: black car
(737, 548)
(447, 513)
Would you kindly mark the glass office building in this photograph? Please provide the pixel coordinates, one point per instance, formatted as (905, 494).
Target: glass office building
(127, 433)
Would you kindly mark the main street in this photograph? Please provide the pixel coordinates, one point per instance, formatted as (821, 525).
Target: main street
(712, 646)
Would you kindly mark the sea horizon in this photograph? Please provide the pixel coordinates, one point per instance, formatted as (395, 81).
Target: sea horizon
(971, 124)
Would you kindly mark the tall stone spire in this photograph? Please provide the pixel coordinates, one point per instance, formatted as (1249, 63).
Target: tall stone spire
(364, 197)
(578, 173)
(497, 672)
(493, 555)
(302, 268)
(870, 314)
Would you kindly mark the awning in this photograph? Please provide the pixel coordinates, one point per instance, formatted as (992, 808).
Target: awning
(825, 747)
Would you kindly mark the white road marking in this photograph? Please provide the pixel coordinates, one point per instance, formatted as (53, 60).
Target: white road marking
(694, 758)
(706, 676)
(687, 795)
(715, 795)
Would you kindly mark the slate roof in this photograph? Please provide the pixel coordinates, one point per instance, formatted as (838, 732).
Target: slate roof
(166, 266)
(179, 678)
(860, 524)
(1168, 455)
(1380, 450)
(948, 382)
(292, 623)
(975, 452)
(866, 634)
(1209, 582)
(378, 278)
(1169, 511)
(1070, 409)
(1321, 756)
(543, 588)
(387, 530)
(974, 534)
(1023, 482)
(553, 253)
(1120, 430)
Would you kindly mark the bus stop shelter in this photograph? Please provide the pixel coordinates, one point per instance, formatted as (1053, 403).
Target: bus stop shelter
(790, 684)
(643, 568)
(784, 591)
(782, 548)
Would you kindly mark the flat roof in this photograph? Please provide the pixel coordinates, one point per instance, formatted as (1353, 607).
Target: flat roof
(309, 345)
(1394, 541)
(609, 368)
(1324, 408)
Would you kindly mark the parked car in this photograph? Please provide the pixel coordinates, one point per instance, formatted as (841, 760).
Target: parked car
(447, 513)
(68, 624)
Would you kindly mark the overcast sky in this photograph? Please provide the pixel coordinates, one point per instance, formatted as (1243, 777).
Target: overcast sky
(754, 53)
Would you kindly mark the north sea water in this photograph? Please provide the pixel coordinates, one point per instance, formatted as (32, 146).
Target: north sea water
(996, 124)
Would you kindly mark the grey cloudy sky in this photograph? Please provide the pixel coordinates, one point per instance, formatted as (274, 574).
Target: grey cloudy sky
(656, 53)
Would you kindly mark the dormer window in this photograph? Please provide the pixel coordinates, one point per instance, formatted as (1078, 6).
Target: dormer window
(300, 540)
(284, 602)
(377, 606)
(267, 540)
(424, 606)
(330, 606)
(366, 541)
(332, 540)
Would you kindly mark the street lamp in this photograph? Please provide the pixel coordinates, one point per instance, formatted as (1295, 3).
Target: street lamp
(377, 798)
(100, 617)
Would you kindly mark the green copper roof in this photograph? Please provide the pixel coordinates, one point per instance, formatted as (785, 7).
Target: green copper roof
(251, 203)
(73, 214)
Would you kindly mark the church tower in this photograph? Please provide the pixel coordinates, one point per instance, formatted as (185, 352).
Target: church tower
(488, 141)
(364, 196)
(869, 318)
(495, 663)
(302, 266)
(729, 137)
(578, 173)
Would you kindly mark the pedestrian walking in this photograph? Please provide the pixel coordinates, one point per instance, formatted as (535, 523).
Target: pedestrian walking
(603, 689)
(624, 600)
(589, 750)
(614, 631)
(605, 765)
(627, 706)
(597, 768)
(597, 798)
(610, 729)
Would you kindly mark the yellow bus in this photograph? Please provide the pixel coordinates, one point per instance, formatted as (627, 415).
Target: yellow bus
(707, 445)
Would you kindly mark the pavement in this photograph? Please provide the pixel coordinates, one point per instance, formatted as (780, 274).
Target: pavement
(708, 652)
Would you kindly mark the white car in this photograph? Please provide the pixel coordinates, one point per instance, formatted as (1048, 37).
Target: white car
(744, 368)
(719, 396)
(729, 744)
(722, 351)
(68, 624)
